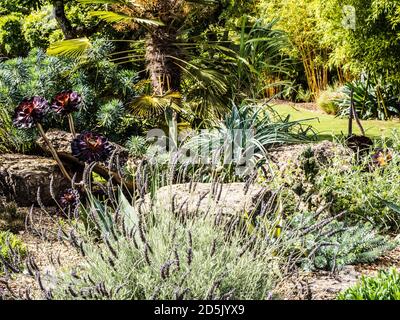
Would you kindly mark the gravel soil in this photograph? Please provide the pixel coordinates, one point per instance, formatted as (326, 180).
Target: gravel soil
(324, 285)
(50, 255)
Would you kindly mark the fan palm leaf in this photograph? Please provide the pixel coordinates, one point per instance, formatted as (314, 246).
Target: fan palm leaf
(114, 17)
(120, 2)
(151, 106)
(74, 48)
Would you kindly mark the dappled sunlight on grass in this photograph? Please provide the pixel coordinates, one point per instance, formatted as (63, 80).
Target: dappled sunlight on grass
(328, 125)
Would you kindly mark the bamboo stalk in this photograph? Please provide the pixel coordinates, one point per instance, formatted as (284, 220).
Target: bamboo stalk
(53, 152)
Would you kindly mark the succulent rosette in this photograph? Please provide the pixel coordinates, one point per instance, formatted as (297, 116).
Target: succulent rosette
(66, 102)
(91, 147)
(30, 112)
(70, 199)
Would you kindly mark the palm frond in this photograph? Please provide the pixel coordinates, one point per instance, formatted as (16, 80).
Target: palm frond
(122, 2)
(73, 48)
(150, 106)
(114, 17)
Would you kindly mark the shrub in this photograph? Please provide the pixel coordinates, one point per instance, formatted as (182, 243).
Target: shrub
(158, 256)
(340, 244)
(358, 186)
(331, 236)
(110, 114)
(304, 95)
(9, 6)
(12, 249)
(12, 41)
(384, 286)
(38, 28)
(372, 99)
(102, 84)
(327, 101)
(137, 146)
(360, 191)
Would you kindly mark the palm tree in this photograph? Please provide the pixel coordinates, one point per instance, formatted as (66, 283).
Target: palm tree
(168, 27)
(207, 68)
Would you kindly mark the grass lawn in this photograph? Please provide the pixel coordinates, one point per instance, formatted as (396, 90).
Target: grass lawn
(327, 125)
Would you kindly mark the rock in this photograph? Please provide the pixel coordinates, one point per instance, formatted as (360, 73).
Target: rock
(324, 153)
(61, 141)
(22, 175)
(229, 200)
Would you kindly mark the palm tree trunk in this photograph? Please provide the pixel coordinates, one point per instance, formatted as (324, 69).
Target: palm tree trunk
(165, 74)
(65, 25)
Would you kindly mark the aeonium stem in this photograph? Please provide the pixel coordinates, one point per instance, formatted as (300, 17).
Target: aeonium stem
(71, 125)
(53, 152)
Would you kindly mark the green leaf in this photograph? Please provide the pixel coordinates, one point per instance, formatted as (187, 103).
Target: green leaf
(104, 2)
(114, 17)
(148, 106)
(390, 205)
(73, 48)
(129, 213)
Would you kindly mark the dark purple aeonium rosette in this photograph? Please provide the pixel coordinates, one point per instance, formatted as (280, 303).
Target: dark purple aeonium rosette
(91, 147)
(30, 112)
(70, 199)
(66, 102)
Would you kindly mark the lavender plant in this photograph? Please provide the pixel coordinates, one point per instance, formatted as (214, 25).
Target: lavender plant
(154, 255)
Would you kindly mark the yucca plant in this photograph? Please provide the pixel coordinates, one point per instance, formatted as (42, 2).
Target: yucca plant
(246, 134)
